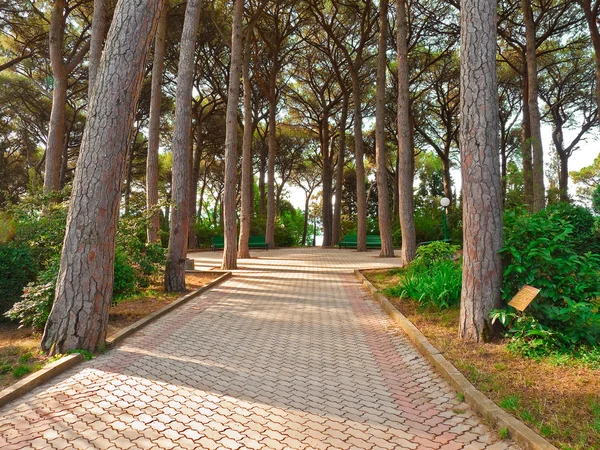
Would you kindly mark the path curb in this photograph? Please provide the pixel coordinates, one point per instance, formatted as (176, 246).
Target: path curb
(118, 337)
(56, 368)
(492, 413)
(41, 376)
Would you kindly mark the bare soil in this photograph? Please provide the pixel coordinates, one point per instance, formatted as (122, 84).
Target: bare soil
(561, 402)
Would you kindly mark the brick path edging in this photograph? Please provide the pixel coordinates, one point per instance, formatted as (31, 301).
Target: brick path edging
(41, 376)
(66, 362)
(496, 416)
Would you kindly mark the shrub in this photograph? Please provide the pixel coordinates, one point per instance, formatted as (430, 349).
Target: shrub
(125, 276)
(434, 252)
(438, 286)
(433, 279)
(17, 269)
(36, 301)
(539, 251)
(581, 220)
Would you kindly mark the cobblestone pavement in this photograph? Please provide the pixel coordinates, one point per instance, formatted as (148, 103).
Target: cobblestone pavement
(289, 353)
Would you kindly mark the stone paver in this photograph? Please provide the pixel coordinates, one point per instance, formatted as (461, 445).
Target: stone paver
(289, 353)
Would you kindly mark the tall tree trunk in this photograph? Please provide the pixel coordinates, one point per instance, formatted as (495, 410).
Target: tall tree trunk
(359, 153)
(97, 42)
(563, 178)
(526, 144)
(56, 130)
(247, 194)
(192, 241)
(539, 192)
(591, 17)
(339, 174)
(385, 223)
(196, 210)
(261, 187)
(158, 66)
(175, 270)
(231, 149)
(482, 199)
(326, 152)
(64, 166)
(129, 172)
(406, 163)
(306, 212)
(79, 316)
(446, 176)
(272, 143)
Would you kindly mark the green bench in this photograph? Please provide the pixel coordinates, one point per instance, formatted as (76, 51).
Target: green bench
(257, 242)
(218, 242)
(350, 241)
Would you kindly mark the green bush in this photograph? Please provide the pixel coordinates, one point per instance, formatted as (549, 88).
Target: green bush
(433, 279)
(581, 220)
(434, 252)
(539, 250)
(17, 268)
(125, 276)
(36, 301)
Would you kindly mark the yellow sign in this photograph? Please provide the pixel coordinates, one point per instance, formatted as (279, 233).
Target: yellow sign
(524, 297)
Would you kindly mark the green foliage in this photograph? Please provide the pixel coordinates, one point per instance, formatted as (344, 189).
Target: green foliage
(125, 276)
(204, 233)
(20, 371)
(43, 233)
(542, 251)
(16, 269)
(433, 279)
(596, 199)
(438, 285)
(87, 355)
(504, 433)
(582, 221)
(435, 252)
(289, 226)
(36, 301)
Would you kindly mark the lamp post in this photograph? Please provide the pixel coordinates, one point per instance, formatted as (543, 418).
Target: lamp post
(445, 202)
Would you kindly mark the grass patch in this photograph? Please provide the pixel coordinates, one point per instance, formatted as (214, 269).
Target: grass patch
(558, 396)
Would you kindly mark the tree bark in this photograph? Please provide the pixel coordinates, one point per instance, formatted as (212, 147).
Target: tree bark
(591, 16)
(406, 163)
(539, 192)
(339, 174)
(56, 130)
(326, 152)
(247, 195)
(158, 67)
(359, 154)
(97, 42)
(482, 199)
(175, 270)
(385, 224)
(231, 150)
(79, 316)
(272, 143)
(526, 145)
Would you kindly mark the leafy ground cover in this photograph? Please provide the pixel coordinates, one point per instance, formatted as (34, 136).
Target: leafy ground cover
(20, 352)
(557, 395)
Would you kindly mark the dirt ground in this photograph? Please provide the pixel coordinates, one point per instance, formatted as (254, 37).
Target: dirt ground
(561, 402)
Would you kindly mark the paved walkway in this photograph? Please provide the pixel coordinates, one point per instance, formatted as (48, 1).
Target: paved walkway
(289, 353)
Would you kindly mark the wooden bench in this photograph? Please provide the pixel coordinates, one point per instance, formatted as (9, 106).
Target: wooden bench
(218, 242)
(257, 242)
(350, 241)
